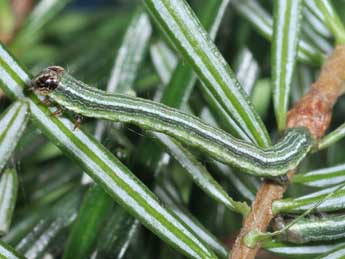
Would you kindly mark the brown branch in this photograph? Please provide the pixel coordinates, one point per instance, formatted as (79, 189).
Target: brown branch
(20, 8)
(314, 112)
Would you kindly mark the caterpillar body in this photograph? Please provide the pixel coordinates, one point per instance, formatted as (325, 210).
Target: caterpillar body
(88, 101)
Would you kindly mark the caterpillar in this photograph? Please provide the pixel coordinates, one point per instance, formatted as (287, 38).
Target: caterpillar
(88, 101)
(326, 227)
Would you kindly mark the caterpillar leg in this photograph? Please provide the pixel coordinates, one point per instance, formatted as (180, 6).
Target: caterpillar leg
(46, 101)
(57, 112)
(281, 179)
(78, 121)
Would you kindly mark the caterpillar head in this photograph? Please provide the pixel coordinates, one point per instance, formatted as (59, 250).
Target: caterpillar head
(47, 80)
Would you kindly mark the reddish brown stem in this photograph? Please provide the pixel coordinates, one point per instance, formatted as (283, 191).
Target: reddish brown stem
(20, 8)
(314, 112)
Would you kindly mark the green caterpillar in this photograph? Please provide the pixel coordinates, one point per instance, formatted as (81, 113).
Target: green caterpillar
(82, 99)
(328, 227)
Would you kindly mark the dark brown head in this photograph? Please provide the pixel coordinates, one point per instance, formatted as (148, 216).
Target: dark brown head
(47, 80)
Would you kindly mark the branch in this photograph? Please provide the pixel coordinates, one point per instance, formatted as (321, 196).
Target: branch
(20, 8)
(313, 111)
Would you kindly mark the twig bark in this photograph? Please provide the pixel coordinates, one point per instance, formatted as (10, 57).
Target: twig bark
(313, 111)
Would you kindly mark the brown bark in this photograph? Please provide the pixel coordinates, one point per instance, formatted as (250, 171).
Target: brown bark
(314, 112)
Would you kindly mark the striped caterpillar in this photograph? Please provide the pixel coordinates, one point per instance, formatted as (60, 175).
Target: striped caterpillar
(82, 99)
